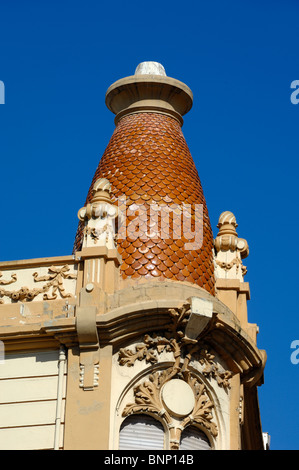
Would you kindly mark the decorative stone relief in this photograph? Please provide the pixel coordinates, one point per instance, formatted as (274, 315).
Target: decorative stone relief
(183, 348)
(149, 398)
(230, 250)
(4, 282)
(95, 383)
(54, 285)
(176, 395)
(100, 217)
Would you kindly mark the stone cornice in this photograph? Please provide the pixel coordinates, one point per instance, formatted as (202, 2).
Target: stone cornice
(149, 93)
(37, 262)
(144, 315)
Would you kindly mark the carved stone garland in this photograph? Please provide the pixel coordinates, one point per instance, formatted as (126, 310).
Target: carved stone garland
(54, 278)
(148, 397)
(174, 340)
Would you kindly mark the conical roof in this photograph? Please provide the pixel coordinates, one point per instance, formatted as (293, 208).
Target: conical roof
(149, 166)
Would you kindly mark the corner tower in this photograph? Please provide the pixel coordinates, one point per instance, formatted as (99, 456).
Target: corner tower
(167, 234)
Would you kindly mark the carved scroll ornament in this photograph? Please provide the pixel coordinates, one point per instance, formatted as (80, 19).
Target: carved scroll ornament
(174, 340)
(54, 285)
(148, 399)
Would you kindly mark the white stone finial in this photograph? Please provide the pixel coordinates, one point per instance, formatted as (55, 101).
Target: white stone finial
(99, 217)
(150, 68)
(227, 218)
(229, 249)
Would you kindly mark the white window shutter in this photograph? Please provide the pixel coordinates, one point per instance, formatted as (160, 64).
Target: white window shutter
(194, 439)
(141, 432)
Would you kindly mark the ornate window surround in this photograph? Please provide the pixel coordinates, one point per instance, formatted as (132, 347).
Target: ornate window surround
(170, 357)
(146, 388)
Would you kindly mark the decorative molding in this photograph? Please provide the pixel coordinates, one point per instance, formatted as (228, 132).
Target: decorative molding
(202, 412)
(241, 410)
(95, 383)
(227, 266)
(148, 350)
(9, 281)
(96, 233)
(184, 349)
(54, 282)
(88, 338)
(148, 400)
(148, 395)
(211, 368)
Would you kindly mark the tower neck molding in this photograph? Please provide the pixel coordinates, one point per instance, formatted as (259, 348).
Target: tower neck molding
(149, 90)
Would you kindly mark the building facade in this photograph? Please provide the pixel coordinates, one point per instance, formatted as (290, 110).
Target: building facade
(140, 338)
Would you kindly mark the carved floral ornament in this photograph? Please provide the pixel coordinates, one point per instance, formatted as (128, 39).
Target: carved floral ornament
(54, 285)
(148, 395)
(235, 262)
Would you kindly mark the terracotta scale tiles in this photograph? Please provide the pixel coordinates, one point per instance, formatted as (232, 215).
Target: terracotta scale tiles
(147, 161)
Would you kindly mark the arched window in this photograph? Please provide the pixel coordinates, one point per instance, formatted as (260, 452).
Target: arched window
(141, 432)
(194, 439)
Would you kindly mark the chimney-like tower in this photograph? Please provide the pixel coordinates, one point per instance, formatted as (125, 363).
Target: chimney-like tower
(148, 163)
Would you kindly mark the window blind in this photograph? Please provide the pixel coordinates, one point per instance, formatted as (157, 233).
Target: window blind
(140, 433)
(194, 439)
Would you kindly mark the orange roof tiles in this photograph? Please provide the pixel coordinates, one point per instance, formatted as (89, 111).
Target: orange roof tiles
(147, 161)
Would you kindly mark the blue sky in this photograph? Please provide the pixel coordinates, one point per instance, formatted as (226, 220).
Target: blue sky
(57, 59)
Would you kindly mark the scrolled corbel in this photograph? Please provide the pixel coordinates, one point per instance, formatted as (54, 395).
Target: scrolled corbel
(89, 346)
(200, 316)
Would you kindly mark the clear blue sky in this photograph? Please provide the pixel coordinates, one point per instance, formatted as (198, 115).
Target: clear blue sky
(57, 59)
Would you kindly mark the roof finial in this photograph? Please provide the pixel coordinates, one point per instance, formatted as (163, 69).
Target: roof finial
(99, 217)
(230, 250)
(150, 68)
